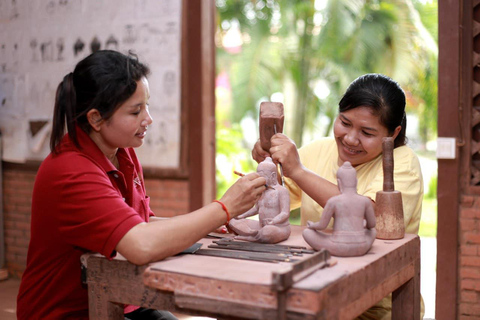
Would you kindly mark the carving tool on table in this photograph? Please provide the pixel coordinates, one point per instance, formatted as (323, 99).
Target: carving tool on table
(263, 246)
(242, 255)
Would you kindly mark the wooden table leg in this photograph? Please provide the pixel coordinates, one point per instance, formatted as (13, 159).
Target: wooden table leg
(113, 283)
(406, 299)
(99, 307)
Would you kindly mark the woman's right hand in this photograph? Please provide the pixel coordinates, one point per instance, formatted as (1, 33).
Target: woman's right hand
(243, 194)
(284, 151)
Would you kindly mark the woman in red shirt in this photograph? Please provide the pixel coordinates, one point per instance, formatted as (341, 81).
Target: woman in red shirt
(89, 193)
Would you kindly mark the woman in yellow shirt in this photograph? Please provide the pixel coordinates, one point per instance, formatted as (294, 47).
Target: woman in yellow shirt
(373, 107)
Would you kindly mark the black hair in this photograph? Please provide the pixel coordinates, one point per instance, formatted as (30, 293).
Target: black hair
(384, 96)
(103, 81)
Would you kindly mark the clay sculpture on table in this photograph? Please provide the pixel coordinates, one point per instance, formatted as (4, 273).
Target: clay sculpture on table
(350, 237)
(273, 209)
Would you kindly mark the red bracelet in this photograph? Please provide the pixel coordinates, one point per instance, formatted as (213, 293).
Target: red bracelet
(224, 209)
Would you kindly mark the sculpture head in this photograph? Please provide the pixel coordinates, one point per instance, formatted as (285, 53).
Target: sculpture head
(347, 177)
(268, 170)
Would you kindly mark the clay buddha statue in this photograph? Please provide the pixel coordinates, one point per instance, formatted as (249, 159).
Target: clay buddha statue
(351, 235)
(273, 209)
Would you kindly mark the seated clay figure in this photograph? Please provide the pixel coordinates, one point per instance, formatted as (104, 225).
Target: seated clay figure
(349, 211)
(273, 209)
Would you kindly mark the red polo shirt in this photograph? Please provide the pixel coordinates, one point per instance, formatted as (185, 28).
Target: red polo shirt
(81, 203)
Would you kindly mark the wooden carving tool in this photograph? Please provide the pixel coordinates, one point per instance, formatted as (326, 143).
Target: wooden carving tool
(388, 203)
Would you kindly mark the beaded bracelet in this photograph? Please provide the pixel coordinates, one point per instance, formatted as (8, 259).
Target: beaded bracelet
(224, 209)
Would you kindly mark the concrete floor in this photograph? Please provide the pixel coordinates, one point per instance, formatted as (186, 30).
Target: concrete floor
(8, 296)
(9, 287)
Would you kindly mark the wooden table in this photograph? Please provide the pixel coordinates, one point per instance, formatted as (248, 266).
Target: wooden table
(229, 288)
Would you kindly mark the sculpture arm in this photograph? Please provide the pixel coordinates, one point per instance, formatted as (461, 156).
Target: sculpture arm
(369, 214)
(327, 214)
(253, 211)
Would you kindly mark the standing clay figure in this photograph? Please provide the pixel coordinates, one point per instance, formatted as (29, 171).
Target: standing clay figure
(349, 210)
(273, 209)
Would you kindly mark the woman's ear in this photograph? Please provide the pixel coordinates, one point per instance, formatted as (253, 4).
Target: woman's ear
(396, 132)
(94, 119)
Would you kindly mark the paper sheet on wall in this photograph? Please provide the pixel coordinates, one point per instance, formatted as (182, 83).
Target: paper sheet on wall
(41, 41)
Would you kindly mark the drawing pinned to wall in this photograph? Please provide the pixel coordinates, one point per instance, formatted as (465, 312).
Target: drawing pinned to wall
(46, 49)
(36, 51)
(95, 45)
(78, 46)
(60, 48)
(112, 43)
(129, 37)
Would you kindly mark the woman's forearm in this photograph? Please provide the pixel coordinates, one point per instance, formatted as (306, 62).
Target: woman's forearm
(147, 242)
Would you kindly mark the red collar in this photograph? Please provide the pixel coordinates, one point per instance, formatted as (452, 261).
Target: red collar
(91, 150)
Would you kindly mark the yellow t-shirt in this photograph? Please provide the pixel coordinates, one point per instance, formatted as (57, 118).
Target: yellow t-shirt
(321, 157)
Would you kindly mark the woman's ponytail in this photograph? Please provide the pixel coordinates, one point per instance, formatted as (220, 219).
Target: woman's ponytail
(64, 112)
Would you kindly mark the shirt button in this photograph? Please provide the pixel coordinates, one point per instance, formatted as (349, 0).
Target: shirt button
(115, 175)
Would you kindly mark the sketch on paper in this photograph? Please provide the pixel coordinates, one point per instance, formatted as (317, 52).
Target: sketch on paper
(37, 50)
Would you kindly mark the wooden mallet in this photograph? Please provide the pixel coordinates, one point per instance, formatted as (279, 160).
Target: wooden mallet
(270, 123)
(388, 203)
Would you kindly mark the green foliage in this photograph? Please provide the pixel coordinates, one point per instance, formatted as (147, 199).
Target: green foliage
(432, 188)
(288, 46)
(231, 155)
(428, 223)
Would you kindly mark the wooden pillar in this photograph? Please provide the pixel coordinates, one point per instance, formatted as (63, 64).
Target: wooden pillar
(198, 95)
(450, 108)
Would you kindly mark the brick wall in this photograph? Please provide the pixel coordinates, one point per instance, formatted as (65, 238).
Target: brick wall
(469, 260)
(168, 198)
(17, 194)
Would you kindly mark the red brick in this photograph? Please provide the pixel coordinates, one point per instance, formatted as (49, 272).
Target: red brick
(468, 224)
(470, 261)
(467, 201)
(20, 251)
(472, 237)
(14, 233)
(468, 213)
(470, 273)
(469, 296)
(468, 250)
(464, 317)
(470, 309)
(470, 284)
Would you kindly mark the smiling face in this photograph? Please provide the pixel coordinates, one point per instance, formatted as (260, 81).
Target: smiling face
(128, 125)
(359, 133)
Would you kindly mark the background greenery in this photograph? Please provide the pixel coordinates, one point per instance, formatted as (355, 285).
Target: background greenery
(304, 53)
